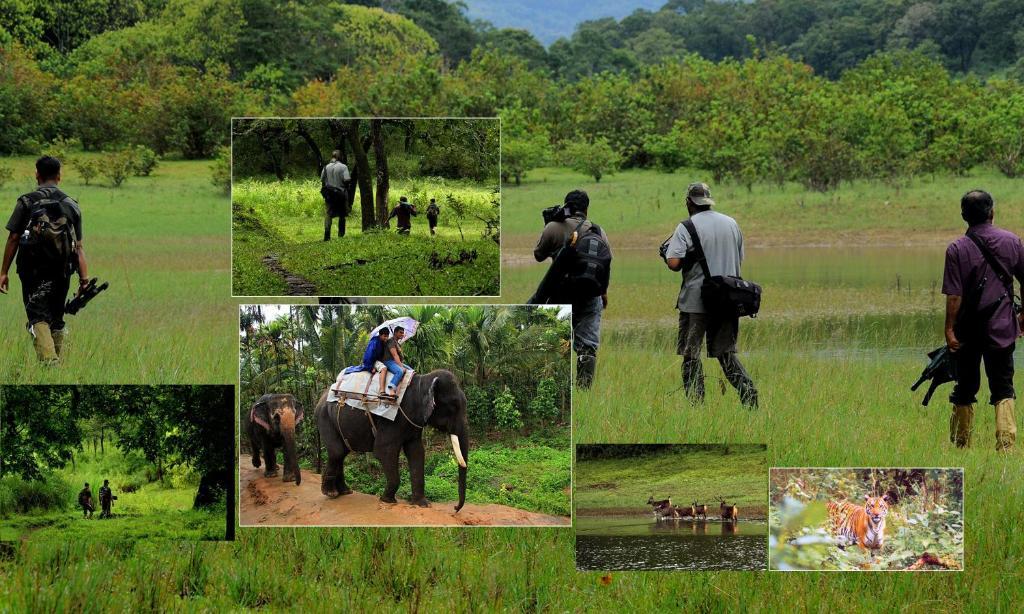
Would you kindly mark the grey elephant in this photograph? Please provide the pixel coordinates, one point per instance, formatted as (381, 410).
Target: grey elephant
(434, 399)
(272, 422)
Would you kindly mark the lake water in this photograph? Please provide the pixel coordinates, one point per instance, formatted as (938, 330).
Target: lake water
(638, 544)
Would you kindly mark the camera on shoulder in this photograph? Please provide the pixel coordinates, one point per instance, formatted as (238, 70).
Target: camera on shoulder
(556, 213)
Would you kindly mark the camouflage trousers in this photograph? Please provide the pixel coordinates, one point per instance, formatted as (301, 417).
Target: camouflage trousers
(44, 299)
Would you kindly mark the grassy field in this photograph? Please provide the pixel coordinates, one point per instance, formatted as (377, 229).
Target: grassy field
(153, 511)
(834, 354)
(162, 244)
(285, 220)
(623, 485)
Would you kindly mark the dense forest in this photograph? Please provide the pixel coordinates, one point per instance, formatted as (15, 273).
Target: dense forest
(161, 447)
(769, 91)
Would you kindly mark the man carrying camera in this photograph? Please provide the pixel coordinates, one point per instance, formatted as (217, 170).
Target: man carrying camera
(579, 273)
(982, 320)
(720, 242)
(46, 237)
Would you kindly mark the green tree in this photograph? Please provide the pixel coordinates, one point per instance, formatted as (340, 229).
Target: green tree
(595, 159)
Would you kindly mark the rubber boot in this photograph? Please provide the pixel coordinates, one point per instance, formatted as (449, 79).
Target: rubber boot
(961, 425)
(43, 341)
(58, 341)
(585, 366)
(1006, 425)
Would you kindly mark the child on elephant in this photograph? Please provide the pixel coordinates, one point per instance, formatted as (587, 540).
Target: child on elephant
(394, 360)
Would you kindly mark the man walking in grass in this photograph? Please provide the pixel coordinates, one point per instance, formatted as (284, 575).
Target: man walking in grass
(432, 212)
(583, 283)
(334, 180)
(982, 320)
(404, 211)
(106, 499)
(722, 243)
(85, 500)
(46, 236)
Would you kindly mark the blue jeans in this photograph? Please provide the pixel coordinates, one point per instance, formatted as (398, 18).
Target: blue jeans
(397, 370)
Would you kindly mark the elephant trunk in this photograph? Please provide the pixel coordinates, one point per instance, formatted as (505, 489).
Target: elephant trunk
(291, 459)
(460, 445)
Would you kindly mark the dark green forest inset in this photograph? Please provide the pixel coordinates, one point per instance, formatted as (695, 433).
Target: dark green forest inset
(163, 449)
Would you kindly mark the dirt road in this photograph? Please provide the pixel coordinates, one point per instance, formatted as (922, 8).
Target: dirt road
(272, 502)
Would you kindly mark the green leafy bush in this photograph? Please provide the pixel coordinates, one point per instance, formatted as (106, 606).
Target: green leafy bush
(87, 168)
(6, 174)
(145, 160)
(505, 412)
(544, 404)
(220, 170)
(17, 495)
(117, 166)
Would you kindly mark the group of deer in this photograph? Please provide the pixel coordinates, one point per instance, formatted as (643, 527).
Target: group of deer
(664, 510)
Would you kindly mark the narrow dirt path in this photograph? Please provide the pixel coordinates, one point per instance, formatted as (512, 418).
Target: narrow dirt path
(273, 502)
(297, 285)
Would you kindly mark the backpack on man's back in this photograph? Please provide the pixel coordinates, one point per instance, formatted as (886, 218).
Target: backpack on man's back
(49, 245)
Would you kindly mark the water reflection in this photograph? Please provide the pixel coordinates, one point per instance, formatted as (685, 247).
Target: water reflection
(674, 544)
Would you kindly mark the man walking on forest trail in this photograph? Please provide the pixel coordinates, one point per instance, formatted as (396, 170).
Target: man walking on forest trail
(722, 242)
(46, 236)
(982, 319)
(334, 180)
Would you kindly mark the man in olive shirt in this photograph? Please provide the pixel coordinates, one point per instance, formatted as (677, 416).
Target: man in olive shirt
(44, 283)
(586, 312)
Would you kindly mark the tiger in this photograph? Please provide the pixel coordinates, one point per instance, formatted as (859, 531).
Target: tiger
(863, 525)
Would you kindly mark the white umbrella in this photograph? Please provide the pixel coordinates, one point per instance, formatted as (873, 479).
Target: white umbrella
(405, 322)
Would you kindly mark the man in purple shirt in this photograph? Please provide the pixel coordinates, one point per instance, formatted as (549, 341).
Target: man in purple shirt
(981, 320)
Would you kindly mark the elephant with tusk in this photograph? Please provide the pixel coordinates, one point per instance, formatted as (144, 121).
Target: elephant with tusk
(272, 422)
(434, 399)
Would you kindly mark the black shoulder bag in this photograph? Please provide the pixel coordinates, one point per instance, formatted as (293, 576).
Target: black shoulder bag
(726, 294)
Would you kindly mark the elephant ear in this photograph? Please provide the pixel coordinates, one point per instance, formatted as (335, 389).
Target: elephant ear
(260, 415)
(431, 402)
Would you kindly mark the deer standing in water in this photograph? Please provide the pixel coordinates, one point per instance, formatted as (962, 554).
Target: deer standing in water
(728, 512)
(700, 509)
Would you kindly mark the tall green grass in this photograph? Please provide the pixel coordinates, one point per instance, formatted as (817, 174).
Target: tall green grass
(49, 510)
(285, 219)
(162, 243)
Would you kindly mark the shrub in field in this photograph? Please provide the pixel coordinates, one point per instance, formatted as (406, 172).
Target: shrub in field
(595, 159)
(117, 166)
(220, 170)
(145, 160)
(506, 414)
(87, 168)
(6, 174)
(18, 495)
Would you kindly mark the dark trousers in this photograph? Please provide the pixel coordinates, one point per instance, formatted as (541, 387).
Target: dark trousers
(327, 225)
(721, 339)
(432, 222)
(998, 369)
(44, 299)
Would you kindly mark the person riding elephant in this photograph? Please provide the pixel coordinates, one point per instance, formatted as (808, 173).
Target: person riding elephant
(433, 399)
(272, 422)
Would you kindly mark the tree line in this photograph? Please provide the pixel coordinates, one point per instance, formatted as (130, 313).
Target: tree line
(748, 113)
(512, 362)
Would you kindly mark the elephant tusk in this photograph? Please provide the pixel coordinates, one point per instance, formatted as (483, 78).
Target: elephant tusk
(458, 451)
